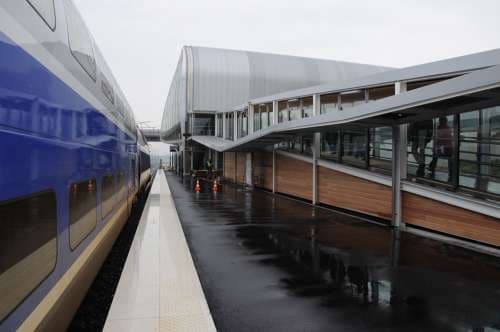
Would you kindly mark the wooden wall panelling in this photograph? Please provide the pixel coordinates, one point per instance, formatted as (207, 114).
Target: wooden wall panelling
(441, 217)
(293, 177)
(230, 166)
(353, 193)
(262, 166)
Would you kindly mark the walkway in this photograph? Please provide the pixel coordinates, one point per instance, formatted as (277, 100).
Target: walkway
(159, 289)
(270, 263)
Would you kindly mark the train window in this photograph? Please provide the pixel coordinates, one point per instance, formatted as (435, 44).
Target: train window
(80, 43)
(46, 10)
(28, 246)
(107, 195)
(82, 211)
(121, 185)
(107, 90)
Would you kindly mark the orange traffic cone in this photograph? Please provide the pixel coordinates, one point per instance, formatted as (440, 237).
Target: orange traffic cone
(197, 187)
(215, 187)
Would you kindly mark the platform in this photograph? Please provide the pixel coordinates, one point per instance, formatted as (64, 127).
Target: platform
(159, 289)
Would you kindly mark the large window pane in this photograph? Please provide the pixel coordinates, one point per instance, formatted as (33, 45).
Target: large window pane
(203, 124)
(256, 119)
(230, 125)
(307, 107)
(329, 103)
(490, 150)
(242, 124)
(294, 109)
(82, 211)
(381, 149)
(28, 246)
(354, 147)
(469, 149)
(307, 144)
(264, 117)
(381, 92)
(329, 145)
(283, 111)
(431, 149)
(108, 194)
(352, 98)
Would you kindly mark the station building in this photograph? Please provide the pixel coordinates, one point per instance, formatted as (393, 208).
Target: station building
(417, 148)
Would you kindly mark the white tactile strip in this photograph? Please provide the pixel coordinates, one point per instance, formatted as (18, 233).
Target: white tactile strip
(159, 289)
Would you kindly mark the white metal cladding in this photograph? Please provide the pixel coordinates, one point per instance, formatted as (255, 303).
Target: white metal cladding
(224, 79)
(175, 106)
(210, 79)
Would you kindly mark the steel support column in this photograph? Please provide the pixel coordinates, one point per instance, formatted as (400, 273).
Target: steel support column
(316, 152)
(224, 126)
(274, 169)
(235, 129)
(275, 112)
(250, 118)
(399, 155)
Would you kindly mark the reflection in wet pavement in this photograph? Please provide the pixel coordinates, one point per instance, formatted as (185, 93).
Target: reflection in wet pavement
(272, 263)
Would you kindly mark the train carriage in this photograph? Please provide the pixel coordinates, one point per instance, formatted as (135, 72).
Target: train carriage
(71, 162)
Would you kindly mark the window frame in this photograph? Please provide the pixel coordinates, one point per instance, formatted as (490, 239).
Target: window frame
(78, 182)
(52, 28)
(113, 195)
(92, 45)
(56, 256)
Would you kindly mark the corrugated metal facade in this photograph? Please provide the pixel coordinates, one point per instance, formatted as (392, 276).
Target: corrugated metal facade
(210, 80)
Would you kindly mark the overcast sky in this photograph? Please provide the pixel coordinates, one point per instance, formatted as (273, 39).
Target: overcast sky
(141, 39)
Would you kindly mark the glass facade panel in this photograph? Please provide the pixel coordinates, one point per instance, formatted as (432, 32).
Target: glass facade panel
(264, 117)
(230, 125)
(295, 145)
(415, 85)
(354, 148)
(307, 144)
(352, 98)
(220, 123)
(294, 109)
(381, 149)
(307, 107)
(330, 145)
(203, 124)
(242, 124)
(283, 112)
(256, 118)
(432, 148)
(329, 103)
(269, 108)
(381, 92)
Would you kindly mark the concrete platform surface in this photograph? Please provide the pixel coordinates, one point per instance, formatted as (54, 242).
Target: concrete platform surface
(159, 289)
(270, 263)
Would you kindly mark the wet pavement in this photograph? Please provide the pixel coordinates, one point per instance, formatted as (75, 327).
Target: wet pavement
(268, 262)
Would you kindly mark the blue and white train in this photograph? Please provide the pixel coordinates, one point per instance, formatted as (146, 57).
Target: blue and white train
(71, 163)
